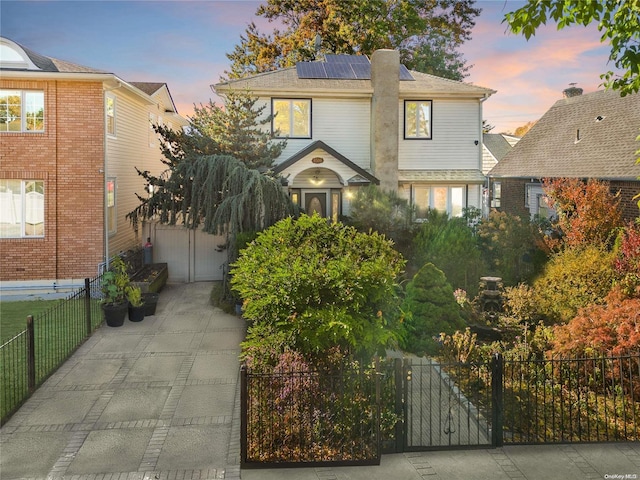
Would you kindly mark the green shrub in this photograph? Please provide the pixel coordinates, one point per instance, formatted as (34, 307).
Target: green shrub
(574, 278)
(450, 244)
(430, 310)
(320, 285)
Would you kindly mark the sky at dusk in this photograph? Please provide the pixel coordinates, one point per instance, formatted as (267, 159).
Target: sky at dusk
(183, 43)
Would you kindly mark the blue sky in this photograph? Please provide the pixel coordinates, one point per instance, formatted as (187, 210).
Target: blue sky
(183, 43)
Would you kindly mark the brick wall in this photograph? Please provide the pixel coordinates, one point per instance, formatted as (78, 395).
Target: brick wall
(628, 205)
(513, 197)
(68, 156)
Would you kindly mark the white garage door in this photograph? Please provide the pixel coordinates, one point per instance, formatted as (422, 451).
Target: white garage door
(192, 255)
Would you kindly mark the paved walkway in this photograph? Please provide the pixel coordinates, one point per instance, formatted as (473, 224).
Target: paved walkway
(153, 399)
(160, 400)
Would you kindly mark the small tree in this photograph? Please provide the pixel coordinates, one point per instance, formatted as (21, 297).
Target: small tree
(313, 286)
(430, 310)
(588, 213)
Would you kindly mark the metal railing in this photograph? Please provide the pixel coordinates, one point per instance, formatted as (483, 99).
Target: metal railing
(310, 418)
(31, 356)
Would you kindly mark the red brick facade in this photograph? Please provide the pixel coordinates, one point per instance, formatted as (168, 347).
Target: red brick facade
(69, 157)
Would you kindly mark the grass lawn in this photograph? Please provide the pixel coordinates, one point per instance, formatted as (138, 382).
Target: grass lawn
(13, 315)
(59, 327)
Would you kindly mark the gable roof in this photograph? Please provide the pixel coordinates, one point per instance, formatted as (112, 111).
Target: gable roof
(288, 80)
(497, 145)
(320, 144)
(588, 136)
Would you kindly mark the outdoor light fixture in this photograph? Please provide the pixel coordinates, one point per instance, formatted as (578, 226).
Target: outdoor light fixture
(315, 179)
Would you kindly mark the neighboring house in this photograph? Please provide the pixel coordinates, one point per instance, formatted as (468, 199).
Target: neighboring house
(590, 136)
(494, 147)
(70, 138)
(351, 122)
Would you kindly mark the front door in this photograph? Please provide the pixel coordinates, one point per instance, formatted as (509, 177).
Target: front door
(316, 202)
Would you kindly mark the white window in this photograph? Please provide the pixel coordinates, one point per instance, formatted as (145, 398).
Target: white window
(110, 114)
(496, 195)
(21, 208)
(21, 111)
(417, 119)
(292, 117)
(111, 206)
(449, 199)
(152, 133)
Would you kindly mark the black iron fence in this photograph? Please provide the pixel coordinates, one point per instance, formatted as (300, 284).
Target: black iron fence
(31, 356)
(305, 418)
(312, 418)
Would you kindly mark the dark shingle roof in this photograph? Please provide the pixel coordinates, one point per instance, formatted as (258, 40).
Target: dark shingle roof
(589, 136)
(49, 64)
(496, 144)
(148, 87)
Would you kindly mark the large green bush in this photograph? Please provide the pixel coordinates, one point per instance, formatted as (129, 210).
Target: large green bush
(430, 310)
(574, 278)
(313, 285)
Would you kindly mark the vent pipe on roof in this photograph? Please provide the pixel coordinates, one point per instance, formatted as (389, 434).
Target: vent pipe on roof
(572, 91)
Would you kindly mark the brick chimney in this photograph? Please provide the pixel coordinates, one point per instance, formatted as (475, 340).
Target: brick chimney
(572, 91)
(385, 79)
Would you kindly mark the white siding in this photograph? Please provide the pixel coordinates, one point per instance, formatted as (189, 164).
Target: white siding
(456, 126)
(343, 124)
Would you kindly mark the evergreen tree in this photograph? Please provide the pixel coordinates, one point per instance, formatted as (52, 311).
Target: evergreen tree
(430, 310)
(427, 34)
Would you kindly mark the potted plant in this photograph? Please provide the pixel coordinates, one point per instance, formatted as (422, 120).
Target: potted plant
(114, 301)
(150, 301)
(136, 305)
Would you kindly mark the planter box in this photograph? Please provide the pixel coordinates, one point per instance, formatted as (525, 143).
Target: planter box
(151, 278)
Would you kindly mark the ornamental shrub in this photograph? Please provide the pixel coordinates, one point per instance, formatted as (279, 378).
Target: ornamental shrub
(627, 263)
(574, 278)
(313, 285)
(430, 310)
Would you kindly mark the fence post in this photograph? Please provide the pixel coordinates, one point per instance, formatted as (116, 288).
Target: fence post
(31, 355)
(399, 403)
(87, 305)
(243, 415)
(497, 407)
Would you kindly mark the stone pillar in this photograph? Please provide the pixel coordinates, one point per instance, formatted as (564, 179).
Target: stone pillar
(385, 80)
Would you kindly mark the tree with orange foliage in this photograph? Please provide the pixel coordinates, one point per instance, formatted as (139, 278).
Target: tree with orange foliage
(588, 213)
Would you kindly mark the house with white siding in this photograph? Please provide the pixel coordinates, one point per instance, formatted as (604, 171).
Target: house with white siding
(350, 121)
(72, 137)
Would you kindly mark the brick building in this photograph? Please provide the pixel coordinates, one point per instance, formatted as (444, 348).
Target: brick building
(70, 137)
(581, 136)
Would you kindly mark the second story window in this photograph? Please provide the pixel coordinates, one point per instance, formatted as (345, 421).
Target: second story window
(110, 115)
(417, 119)
(292, 117)
(21, 111)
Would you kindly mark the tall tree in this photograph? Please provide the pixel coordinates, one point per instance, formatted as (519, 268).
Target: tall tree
(426, 33)
(618, 21)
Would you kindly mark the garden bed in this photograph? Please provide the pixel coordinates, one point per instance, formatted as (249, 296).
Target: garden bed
(151, 278)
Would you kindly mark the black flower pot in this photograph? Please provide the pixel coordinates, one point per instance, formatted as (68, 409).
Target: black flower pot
(114, 313)
(136, 314)
(150, 302)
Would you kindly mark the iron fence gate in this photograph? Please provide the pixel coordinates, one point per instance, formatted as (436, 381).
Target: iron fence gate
(447, 405)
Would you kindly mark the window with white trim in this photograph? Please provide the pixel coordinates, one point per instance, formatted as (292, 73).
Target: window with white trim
(417, 119)
(21, 208)
(291, 117)
(21, 111)
(110, 114)
(444, 198)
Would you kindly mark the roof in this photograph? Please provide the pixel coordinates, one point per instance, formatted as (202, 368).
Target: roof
(496, 144)
(289, 80)
(588, 136)
(148, 87)
(441, 176)
(50, 64)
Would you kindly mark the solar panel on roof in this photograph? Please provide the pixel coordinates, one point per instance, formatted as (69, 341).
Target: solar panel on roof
(362, 71)
(343, 58)
(311, 70)
(342, 71)
(405, 74)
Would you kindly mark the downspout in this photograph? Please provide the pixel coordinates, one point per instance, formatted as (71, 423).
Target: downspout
(105, 220)
(485, 207)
